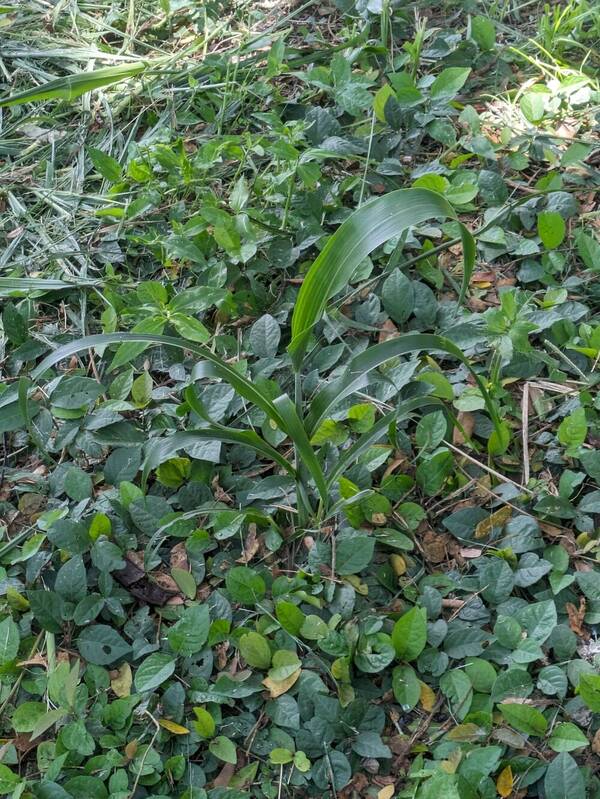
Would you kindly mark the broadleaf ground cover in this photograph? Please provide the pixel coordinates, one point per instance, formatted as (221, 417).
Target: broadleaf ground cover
(300, 477)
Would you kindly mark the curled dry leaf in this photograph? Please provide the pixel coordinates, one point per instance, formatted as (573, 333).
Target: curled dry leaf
(178, 558)
(467, 421)
(251, 545)
(388, 330)
(576, 617)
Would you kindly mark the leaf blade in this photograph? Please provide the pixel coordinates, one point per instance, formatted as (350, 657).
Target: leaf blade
(366, 229)
(73, 86)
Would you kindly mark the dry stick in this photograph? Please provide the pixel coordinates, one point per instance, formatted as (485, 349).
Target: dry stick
(557, 388)
(330, 770)
(504, 501)
(145, 755)
(444, 503)
(525, 431)
(488, 469)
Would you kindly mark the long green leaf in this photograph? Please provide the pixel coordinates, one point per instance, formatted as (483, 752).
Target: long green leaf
(242, 385)
(356, 373)
(306, 454)
(73, 86)
(161, 449)
(402, 410)
(22, 284)
(248, 438)
(363, 231)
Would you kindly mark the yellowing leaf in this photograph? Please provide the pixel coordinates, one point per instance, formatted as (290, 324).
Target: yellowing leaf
(278, 687)
(346, 694)
(171, 726)
(355, 581)
(455, 758)
(386, 793)
(340, 669)
(204, 724)
(131, 748)
(465, 733)
(504, 783)
(121, 683)
(398, 564)
(497, 519)
(451, 765)
(426, 697)
(380, 99)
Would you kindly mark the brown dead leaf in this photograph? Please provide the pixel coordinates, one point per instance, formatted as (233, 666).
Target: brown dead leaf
(576, 618)
(36, 660)
(136, 558)
(24, 744)
(178, 558)
(477, 305)
(467, 422)
(134, 578)
(596, 743)
(453, 602)
(219, 493)
(470, 552)
(131, 748)
(388, 330)
(251, 545)
(395, 464)
(550, 530)
(224, 776)
(166, 582)
(566, 131)
(356, 787)
(222, 654)
(482, 276)
(506, 281)
(434, 547)
(31, 505)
